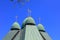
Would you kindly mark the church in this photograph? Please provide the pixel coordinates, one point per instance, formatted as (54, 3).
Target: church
(29, 31)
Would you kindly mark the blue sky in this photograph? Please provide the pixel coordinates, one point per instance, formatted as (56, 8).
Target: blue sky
(47, 10)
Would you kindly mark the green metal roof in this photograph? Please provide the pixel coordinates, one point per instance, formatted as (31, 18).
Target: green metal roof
(11, 34)
(32, 33)
(46, 36)
(28, 20)
(40, 27)
(16, 25)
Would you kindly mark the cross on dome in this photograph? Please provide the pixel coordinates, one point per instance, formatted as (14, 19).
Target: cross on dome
(39, 20)
(16, 18)
(29, 12)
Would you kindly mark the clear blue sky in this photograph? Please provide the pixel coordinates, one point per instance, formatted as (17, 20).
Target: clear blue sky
(47, 10)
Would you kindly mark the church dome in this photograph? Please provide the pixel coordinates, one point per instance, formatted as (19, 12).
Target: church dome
(28, 21)
(40, 27)
(15, 26)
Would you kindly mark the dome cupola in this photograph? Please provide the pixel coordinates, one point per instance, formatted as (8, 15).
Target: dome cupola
(15, 26)
(40, 27)
(28, 21)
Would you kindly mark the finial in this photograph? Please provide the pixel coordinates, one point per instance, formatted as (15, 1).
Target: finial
(16, 18)
(29, 12)
(39, 19)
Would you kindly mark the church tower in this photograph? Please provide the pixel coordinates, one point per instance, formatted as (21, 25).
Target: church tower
(43, 33)
(14, 33)
(31, 31)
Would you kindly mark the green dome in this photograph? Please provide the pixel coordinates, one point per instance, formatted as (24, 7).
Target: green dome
(40, 27)
(15, 26)
(28, 20)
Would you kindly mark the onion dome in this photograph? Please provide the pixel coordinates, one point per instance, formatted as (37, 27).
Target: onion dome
(28, 21)
(15, 26)
(40, 27)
